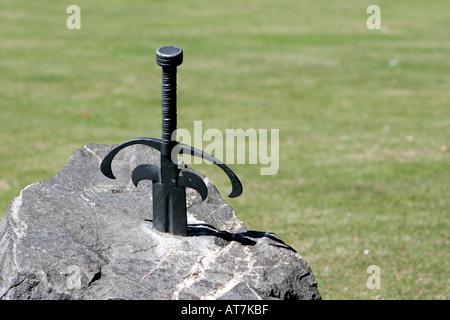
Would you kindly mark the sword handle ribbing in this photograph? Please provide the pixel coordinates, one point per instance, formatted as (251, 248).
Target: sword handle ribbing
(169, 57)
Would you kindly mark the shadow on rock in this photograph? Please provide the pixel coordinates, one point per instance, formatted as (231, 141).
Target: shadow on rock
(244, 238)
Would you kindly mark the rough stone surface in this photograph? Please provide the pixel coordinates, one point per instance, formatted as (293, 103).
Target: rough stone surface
(80, 235)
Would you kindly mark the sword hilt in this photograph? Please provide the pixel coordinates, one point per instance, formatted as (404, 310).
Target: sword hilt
(169, 182)
(169, 58)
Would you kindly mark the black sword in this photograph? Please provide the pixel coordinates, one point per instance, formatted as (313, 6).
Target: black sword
(169, 182)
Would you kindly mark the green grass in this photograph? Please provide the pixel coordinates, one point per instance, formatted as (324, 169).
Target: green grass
(364, 159)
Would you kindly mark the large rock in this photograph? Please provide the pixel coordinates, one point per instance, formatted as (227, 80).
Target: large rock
(80, 235)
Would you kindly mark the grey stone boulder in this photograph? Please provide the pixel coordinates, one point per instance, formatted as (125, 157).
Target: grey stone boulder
(80, 235)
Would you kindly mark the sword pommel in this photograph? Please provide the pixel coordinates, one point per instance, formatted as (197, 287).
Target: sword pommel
(169, 56)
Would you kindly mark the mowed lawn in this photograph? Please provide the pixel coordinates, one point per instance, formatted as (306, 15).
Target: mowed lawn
(363, 117)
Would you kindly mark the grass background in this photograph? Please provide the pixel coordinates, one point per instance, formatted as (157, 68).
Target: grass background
(364, 116)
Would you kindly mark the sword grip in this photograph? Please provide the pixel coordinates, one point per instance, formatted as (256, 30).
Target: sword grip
(169, 102)
(169, 57)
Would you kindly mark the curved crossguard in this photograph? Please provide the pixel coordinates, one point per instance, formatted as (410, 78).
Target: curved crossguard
(180, 148)
(169, 182)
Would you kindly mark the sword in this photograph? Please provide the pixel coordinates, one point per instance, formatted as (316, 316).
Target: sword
(169, 182)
